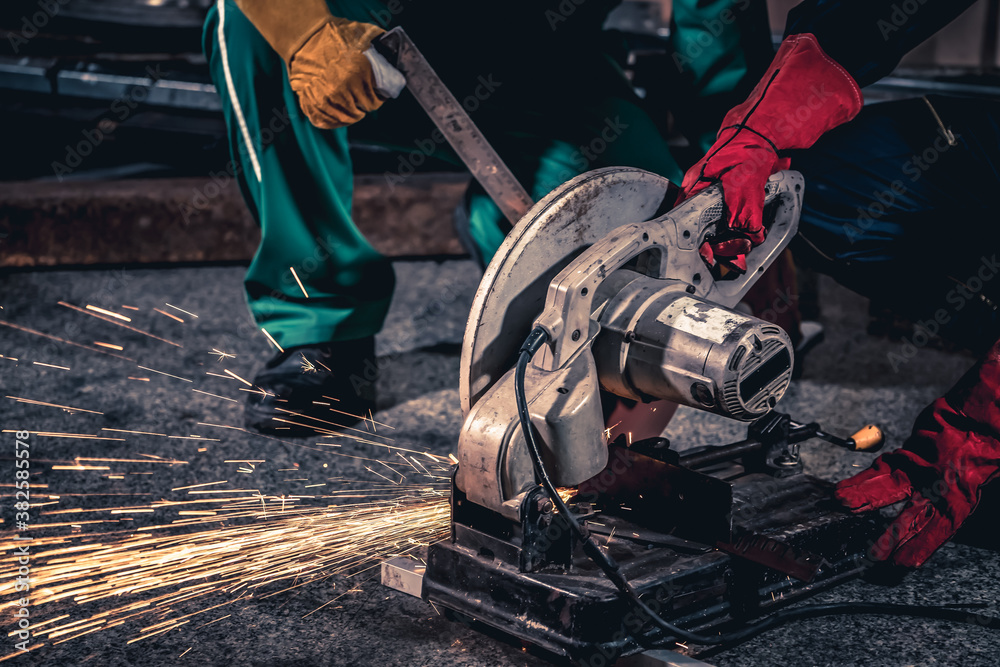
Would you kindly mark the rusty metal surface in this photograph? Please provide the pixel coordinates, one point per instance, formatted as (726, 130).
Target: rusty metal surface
(661, 495)
(201, 220)
(775, 554)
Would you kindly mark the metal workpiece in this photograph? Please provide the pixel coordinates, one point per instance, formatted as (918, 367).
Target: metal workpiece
(158, 13)
(51, 76)
(514, 577)
(26, 74)
(664, 344)
(166, 92)
(404, 574)
(660, 495)
(661, 658)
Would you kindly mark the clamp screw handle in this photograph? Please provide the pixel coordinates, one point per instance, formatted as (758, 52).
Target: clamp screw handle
(869, 439)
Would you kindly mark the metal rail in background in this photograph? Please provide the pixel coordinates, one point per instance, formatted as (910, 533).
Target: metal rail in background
(69, 79)
(50, 76)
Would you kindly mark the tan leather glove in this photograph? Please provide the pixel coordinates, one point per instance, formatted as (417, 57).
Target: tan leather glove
(335, 72)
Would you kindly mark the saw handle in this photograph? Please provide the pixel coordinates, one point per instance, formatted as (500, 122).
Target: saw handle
(677, 235)
(869, 438)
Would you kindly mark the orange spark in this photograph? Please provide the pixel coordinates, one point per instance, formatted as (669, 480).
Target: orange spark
(38, 363)
(60, 340)
(195, 486)
(173, 317)
(153, 370)
(301, 286)
(101, 317)
(273, 342)
(109, 313)
(30, 401)
(231, 400)
(182, 310)
(234, 375)
(222, 355)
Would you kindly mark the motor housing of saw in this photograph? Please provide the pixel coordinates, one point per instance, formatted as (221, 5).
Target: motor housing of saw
(637, 313)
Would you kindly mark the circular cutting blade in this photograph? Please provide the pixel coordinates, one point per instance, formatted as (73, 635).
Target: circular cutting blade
(556, 229)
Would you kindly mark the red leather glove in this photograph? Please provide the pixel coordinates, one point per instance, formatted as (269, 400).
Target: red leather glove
(954, 450)
(803, 94)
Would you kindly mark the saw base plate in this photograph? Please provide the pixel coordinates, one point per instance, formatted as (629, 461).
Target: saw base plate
(575, 612)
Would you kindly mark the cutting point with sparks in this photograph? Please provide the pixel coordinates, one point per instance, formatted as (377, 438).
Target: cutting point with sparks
(288, 550)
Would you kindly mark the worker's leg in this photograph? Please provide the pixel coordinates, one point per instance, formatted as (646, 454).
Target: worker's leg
(720, 49)
(896, 212)
(618, 133)
(298, 183)
(566, 107)
(551, 124)
(547, 139)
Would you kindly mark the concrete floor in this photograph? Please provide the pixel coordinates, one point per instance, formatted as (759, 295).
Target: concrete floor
(848, 382)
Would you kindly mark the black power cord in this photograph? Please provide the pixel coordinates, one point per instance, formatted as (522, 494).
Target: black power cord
(532, 343)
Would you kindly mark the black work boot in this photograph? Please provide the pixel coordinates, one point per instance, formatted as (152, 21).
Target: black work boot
(314, 389)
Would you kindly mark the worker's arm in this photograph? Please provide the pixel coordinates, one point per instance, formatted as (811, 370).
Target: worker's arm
(719, 48)
(813, 85)
(335, 72)
(953, 452)
(868, 38)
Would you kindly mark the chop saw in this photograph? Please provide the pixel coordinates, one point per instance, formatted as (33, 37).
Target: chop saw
(570, 542)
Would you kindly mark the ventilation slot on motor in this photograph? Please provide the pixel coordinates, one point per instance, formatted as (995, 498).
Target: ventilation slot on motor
(734, 361)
